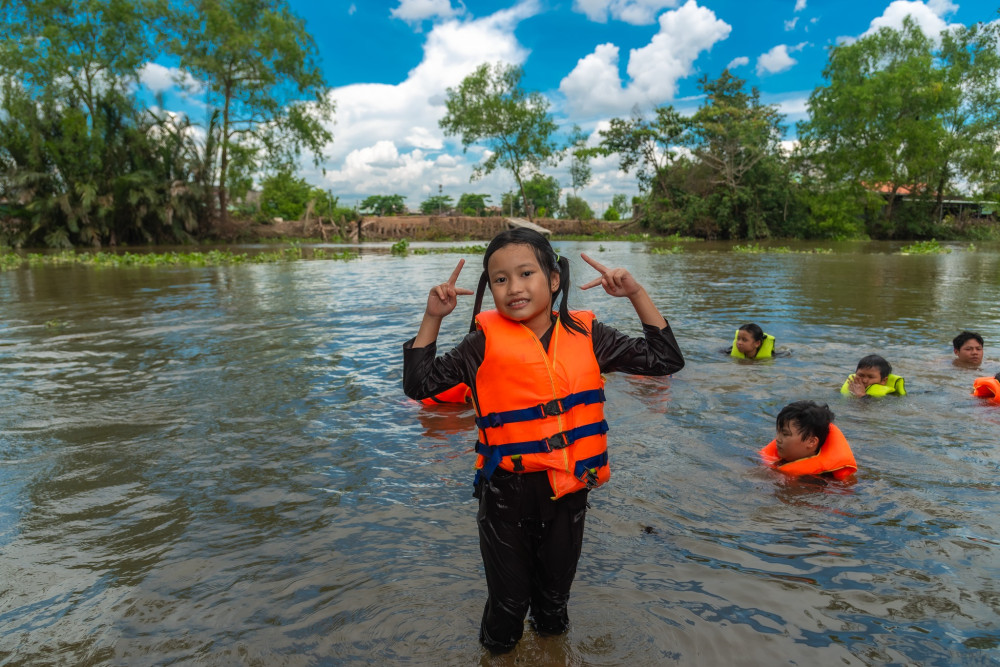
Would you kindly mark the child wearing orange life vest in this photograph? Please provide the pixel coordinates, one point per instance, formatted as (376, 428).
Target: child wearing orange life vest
(536, 382)
(807, 443)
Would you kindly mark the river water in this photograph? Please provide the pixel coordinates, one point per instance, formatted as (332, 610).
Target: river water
(218, 466)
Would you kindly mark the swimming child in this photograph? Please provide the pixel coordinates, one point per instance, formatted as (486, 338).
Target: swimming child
(987, 387)
(752, 343)
(873, 378)
(968, 347)
(808, 443)
(536, 383)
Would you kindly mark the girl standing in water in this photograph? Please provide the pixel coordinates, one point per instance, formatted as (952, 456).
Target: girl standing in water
(535, 379)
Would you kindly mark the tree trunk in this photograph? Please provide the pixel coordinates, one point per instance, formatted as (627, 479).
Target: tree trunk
(224, 161)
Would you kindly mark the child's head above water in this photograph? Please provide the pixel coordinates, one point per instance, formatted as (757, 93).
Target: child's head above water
(873, 369)
(801, 429)
(749, 338)
(968, 347)
(525, 276)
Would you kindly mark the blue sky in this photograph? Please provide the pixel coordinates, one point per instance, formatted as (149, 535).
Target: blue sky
(390, 63)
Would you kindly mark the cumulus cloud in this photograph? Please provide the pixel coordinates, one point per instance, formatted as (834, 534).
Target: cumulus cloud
(800, 5)
(417, 11)
(929, 16)
(778, 59)
(738, 62)
(160, 79)
(636, 12)
(386, 137)
(790, 25)
(594, 86)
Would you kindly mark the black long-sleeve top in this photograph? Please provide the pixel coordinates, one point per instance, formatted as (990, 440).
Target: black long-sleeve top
(426, 374)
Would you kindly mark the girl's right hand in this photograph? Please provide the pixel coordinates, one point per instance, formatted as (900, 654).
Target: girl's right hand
(444, 297)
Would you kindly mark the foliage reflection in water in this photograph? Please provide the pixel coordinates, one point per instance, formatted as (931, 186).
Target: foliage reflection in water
(217, 464)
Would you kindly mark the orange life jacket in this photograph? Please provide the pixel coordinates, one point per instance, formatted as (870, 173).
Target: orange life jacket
(460, 393)
(541, 410)
(834, 457)
(987, 387)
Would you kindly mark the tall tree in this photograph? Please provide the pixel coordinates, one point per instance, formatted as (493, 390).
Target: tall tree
(733, 134)
(877, 123)
(491, 108)
(580, 172)
(970, 148)
(258, 64)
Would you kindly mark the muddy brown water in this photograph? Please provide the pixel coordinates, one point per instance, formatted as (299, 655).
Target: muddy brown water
(217, 466)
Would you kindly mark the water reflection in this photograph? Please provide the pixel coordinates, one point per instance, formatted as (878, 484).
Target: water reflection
(217, 465)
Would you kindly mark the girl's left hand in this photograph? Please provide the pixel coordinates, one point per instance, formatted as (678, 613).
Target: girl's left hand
(616, 282)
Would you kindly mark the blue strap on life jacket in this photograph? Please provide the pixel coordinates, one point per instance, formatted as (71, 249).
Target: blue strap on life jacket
(495, 453)
(553, 408)
(586, 470)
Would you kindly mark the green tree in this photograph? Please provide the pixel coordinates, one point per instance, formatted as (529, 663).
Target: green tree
(473, 204)
(384, 204)
(970, 58)
(259, 66)
(491, 108)
(620, 204)
(542, 193)
(645, 146)
(577, 209)
(738, 140)
(876, 124)
(285, 195)
(436, 204)
(580, 172)
(75, 144)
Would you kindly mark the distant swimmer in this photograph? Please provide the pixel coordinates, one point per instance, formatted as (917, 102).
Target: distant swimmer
(873, 377)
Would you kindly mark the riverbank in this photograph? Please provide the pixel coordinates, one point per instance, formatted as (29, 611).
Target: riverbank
(414, 228)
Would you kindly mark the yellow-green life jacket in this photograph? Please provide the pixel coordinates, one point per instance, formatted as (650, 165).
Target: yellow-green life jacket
(893, 385)
(766, 348)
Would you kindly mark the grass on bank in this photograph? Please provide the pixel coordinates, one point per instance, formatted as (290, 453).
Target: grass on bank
(10, 260)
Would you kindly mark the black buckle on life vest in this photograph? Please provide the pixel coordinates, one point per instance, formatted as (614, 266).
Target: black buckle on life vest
(557, 441)
(553, 408)
(590, 477)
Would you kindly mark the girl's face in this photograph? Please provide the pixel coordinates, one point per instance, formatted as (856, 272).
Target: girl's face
(520, 288)
(792, 446)
(746, 344)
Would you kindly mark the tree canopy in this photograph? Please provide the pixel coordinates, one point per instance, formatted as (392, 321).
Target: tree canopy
(491, 108)
(86, 159)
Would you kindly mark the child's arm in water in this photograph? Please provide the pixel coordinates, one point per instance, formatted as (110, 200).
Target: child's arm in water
(441, 300)
(619, 282)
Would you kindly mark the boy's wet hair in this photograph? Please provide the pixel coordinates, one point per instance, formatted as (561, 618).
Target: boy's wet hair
(875, 361)
(547, 259)
(753, 330)
(964, 337)
(812, 419)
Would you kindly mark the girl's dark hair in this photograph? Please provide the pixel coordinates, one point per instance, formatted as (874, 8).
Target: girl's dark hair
(547, 259)
(753, 330)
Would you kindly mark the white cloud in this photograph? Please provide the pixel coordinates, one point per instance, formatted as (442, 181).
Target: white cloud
(386, 137)
(800, 5)
(790, 25)
(416, 11)
(778, 59)
(636, 12)
(160, 79)
(738, 62)
(352, 9)
(594, 86)
(929, 16)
